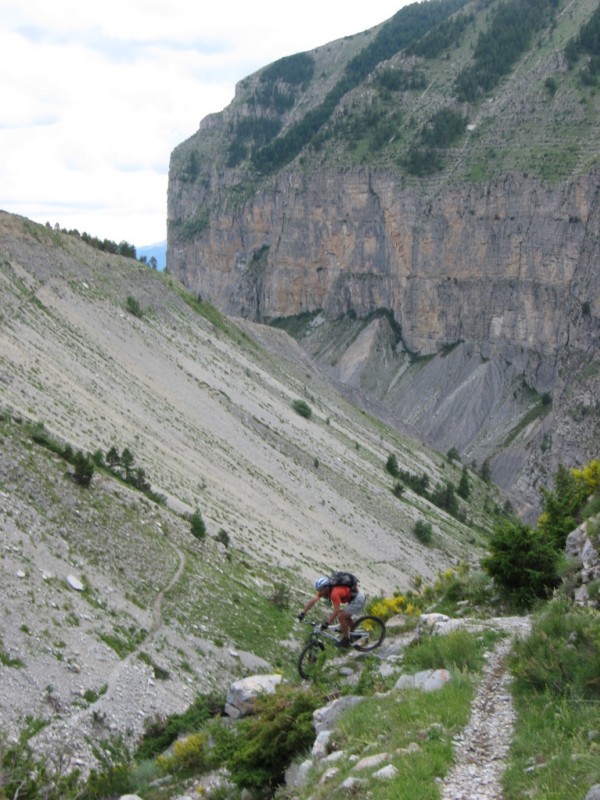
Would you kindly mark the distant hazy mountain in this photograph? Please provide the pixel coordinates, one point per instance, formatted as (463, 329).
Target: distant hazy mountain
(158, 250)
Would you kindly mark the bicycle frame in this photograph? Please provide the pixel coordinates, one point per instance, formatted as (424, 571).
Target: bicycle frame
(366, 633)
(325, 635)
(317, 634)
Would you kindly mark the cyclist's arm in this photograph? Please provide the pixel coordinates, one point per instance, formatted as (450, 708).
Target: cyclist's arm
(310, 604)
(334, 613)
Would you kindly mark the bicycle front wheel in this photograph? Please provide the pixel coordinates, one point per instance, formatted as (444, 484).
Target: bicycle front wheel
(311, 660)
(367, 633)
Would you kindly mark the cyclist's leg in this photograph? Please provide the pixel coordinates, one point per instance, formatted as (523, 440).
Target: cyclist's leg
(354, 608)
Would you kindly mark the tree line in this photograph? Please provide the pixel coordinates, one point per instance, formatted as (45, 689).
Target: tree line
(406, 26)
(123, 248)
(498, 48)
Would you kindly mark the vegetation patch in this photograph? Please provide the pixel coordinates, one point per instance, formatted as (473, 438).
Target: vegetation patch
(7, 660)
(510, 33)
(557, 695)
(123, 640)
(407, 25)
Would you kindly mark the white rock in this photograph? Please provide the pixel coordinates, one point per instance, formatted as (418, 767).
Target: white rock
(329, 775)
(321, 748)
(325, 717)
(242, 694)
(352, 783)
(75, 583)
(371, 761)
(386, 773)
(296, 775)
(337, 755)
(432, 679)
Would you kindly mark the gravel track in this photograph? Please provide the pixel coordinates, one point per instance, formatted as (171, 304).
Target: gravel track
(482, 748)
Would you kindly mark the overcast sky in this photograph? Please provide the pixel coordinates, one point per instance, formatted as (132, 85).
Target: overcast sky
(94, 96)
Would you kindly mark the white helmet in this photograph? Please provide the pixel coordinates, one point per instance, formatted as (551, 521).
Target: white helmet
(321, 583)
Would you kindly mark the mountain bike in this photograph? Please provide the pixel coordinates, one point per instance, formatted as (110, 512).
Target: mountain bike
(366, 634)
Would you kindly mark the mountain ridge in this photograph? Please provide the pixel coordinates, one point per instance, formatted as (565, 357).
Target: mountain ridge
(471, 220)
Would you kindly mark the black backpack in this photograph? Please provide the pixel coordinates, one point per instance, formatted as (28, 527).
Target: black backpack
(343, 579)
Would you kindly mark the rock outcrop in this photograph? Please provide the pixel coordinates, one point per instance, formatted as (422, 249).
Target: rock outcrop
(582, 555)
(496, 283)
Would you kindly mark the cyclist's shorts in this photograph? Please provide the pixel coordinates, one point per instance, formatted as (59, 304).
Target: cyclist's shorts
(356, 605)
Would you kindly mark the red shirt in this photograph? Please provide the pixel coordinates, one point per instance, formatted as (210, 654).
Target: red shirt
(339, 595)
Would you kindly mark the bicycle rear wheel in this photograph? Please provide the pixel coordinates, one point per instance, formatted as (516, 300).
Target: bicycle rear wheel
(311, 660)
(367, 633)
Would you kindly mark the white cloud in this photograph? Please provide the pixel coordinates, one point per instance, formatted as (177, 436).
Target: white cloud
(94, 97)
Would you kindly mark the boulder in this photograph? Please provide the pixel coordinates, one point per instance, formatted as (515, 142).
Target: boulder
(324, 718)
(75, 583)
(296, 775)
(582, 552)
(242, 694)
(371, 761)
(322, 745)
(429, 680)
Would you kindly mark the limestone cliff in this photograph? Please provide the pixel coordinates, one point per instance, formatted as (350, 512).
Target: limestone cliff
(458, 295)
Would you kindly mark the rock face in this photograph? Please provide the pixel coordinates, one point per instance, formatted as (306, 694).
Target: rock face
(501, 274)
(490, 263)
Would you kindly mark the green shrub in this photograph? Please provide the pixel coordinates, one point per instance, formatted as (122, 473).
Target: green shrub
(133, 306)
(398, 489)
(113, 781)
(562, 507)
(444, 128)
(197, 526)
(391, 465)
(84, 469)
(223, 537)
(24, 775)
(266, 743)
(189, 753)
(114, 775)
(464, 487)
(522, 562)
(453, 454)
(161, 732)
(562, 654)
(301, 407)
(280, 597)
(423, 531)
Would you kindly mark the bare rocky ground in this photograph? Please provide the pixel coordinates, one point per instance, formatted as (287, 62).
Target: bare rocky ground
(91, 590)
(209, 413)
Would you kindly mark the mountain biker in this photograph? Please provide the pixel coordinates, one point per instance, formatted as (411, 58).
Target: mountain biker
(352, 600)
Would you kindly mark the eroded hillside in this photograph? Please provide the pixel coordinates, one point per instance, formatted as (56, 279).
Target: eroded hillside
(206, 407)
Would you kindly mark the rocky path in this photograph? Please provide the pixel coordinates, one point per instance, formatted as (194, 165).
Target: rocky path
(482, 748)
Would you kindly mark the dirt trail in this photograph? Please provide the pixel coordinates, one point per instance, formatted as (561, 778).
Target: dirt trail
(482, 747)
